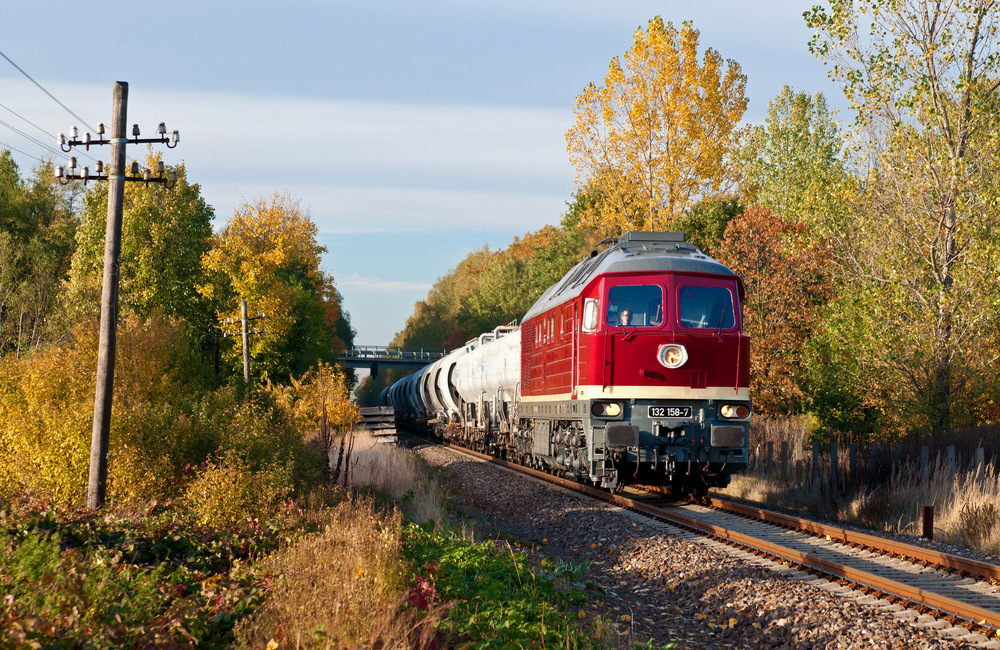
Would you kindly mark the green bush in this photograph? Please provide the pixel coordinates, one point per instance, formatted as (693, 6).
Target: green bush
(500, 599)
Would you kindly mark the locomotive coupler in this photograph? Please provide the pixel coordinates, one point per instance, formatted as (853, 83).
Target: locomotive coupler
(670, 431)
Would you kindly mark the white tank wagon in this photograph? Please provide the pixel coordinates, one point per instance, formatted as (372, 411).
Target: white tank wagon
(429, 396)
(469, 380)
(488, 378)
(413, 406)
(444, 387)
(473, 386)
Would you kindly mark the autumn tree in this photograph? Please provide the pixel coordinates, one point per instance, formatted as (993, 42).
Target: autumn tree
(659, 133)
(165, 233)
(917, 246)
(793, 162)
(268, 255)
(705, 223)
(787, 283)
(516, 277)
(434, 321)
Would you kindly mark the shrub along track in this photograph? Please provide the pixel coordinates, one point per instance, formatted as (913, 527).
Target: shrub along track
(946, 587)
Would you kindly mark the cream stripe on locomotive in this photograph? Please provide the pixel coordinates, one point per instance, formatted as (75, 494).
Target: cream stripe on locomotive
(647, 392)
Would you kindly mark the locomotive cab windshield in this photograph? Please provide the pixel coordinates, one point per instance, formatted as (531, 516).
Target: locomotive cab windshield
(635, 306)
(704, 307)
(698, 306)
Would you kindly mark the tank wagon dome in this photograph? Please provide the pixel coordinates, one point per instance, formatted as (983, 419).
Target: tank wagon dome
(632, 252)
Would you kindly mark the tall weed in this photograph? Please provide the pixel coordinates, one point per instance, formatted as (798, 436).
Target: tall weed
(890, 500)
(344, 587)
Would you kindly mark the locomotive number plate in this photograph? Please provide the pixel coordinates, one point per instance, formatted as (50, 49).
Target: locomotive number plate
(669, 411)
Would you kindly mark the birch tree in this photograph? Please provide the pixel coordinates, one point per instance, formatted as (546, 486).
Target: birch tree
(919, 247)
(793, 163)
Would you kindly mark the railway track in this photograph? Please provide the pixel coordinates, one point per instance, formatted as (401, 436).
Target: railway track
(937, 589)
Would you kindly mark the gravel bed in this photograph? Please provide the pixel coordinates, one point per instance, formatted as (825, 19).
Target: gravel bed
(661, 585)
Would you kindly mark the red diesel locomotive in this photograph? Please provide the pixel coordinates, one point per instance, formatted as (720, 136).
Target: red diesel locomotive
(632, 369)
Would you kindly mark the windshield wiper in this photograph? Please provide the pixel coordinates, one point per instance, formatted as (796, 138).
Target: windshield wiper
(718, 333)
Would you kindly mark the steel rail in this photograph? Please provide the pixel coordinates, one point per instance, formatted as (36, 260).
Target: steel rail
(977, 615)
(923, 555)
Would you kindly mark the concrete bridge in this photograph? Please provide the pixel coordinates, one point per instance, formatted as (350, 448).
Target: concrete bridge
(374, 357)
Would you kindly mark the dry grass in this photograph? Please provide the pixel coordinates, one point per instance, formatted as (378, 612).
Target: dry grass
(383, 467)
(344, 587)
(965, 504)
(348, 587)
(395, 472)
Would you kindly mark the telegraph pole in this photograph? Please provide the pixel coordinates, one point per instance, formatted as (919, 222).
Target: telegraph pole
(97, 485)
(116, 177)
(245, 332)
(246, 342)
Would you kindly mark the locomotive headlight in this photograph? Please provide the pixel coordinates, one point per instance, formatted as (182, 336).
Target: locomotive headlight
(672, 356)
(606, 409)
(738, 411)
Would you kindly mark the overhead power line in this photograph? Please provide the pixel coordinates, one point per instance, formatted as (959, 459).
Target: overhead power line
(48, 148)
(4, 145)
(42, 88)
(30, 138)
(23, 118)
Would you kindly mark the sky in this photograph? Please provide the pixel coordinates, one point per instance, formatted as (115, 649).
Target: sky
(412, 132)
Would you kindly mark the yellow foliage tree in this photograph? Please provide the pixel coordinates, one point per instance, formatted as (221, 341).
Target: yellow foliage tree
(658, 134)
(268, 255)
(319, 392)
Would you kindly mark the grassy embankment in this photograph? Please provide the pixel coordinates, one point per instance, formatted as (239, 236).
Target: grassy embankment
(966, 511)
(378, 565)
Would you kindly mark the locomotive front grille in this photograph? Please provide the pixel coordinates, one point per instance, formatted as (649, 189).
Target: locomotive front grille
(728, 436)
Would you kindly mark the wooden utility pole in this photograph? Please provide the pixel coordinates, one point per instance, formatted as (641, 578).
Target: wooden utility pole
(116, 177)
(96, 488)
(246, 342)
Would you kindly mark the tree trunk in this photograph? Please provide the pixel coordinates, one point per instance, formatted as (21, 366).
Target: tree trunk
(941, 380)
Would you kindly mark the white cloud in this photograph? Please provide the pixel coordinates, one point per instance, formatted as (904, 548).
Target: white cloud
(360, 166)
(288, 137)
(377, 284)
(359, 209)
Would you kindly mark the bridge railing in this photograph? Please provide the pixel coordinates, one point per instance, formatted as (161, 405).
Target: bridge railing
(381, 352)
